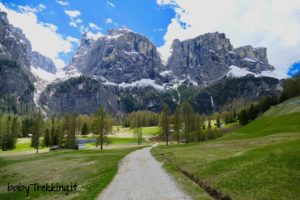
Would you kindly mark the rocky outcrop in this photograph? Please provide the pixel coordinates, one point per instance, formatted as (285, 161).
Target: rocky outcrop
(207, 58)
(79, 95)
(16, 88)
(16, 81)
(252, 59)
(249, 88)
(40, 61)
(121, 56)
(13, 43)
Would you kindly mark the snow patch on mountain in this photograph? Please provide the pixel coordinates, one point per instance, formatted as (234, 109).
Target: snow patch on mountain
(43, 78)
(235, 71)
(42, 74)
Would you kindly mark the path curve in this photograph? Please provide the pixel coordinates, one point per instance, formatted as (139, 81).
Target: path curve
(141, 177)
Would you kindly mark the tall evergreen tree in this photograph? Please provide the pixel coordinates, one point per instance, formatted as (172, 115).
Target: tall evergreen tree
(36, 131)
(6, 133)
(47, 138)
(85, 129)
(165, 123)
(187, 114)
(177, 124)
(15, 127)
(243, 117)
(99, 125)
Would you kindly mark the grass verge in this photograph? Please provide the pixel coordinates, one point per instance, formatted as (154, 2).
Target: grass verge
(92, 170)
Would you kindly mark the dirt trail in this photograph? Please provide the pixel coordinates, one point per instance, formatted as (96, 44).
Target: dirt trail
(141, 177)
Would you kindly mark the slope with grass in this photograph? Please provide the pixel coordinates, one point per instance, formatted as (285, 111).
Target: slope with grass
(258, 161)
(91, 170)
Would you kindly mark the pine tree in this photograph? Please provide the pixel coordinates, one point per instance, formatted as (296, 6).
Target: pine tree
(177, 124)
(243, 117)
(15, 127)
(99, 125)
(69, 127)
(36, 131)
(218, 121)
(6, 133)
(209, 123)
(85, 129)
(47, 138)
(1, 131)
(187, 115)
(164, 123)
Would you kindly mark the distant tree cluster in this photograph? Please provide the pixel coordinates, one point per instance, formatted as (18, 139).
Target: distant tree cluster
(53, 131)
(290, 89)
(185, 125)
(146, 118)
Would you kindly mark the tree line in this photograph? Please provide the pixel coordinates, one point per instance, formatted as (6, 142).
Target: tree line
(290, 89)
(53, 131)
(186, 125)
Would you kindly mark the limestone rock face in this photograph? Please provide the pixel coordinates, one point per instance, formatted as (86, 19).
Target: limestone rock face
(207, 58)
(16, 87)
(13, 43)
(121, 56)
(41, 61)
(252, 59)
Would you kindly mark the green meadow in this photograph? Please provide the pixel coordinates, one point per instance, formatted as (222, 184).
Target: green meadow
(258, 161)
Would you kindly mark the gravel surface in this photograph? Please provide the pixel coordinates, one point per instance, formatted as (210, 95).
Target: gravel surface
(141, 177)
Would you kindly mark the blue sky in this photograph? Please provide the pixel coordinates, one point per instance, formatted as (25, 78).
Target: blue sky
(54, 27)
(145, 17)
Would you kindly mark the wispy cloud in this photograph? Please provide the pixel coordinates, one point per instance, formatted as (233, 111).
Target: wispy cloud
(109, 21)
(73, 13)
(27, 8)
(94, 26)
(111, 4)
(63, 3)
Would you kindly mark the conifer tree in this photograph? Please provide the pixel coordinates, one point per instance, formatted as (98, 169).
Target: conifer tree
(99, 125)
(177, 124)
(36, 131)
(47, 138)
(164, 123)
(187, 114)
(84, 130)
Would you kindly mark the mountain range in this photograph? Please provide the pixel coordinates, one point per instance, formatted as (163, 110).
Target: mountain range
(123, 71)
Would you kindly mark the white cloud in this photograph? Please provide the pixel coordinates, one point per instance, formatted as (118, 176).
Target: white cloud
(94, 26)
(109, 21)
(41, 7)
(110, 4)
(73, 40)
(43, 36)
(274, 24)
(63, 3)
(73, 13)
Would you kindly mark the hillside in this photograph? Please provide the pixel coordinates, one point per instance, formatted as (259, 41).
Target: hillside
(258, 161)
(283, 118)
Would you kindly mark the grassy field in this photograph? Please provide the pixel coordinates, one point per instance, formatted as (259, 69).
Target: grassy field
(92, 170)
(259, 161)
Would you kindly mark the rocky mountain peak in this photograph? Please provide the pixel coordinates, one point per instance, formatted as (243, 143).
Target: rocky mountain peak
(121, 56)
(215, 41)
(208, 58)
(123, 30)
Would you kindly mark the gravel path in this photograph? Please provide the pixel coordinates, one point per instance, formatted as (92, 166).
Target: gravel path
(141, 177)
